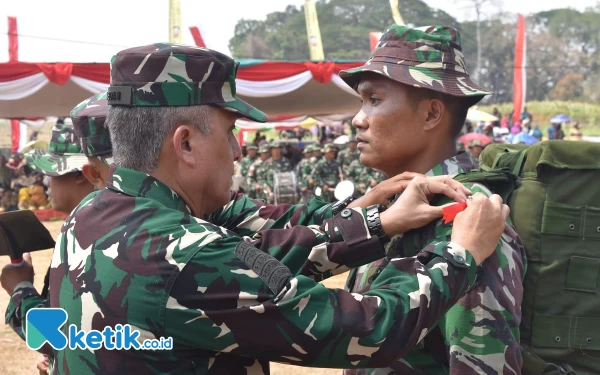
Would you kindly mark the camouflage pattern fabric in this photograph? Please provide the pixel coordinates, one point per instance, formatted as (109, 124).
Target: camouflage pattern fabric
(277, 166)
(166, 74)
(361, 176)
(245, 164)
(326, 173)
(64, 154)
(135, 245)
(428, 57)
(346, 157)
(480, 334)
(301, 174)
(257, 175)
(89, 118)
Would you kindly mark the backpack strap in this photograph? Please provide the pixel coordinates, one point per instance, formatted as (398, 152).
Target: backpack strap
(534, 365)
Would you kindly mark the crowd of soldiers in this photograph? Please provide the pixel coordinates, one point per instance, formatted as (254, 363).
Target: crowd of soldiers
(317, 174)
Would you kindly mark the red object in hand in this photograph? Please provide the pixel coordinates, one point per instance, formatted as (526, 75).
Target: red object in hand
(451, 211)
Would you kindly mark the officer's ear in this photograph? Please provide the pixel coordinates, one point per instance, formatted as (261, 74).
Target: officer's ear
(93, 175)
(184, 143)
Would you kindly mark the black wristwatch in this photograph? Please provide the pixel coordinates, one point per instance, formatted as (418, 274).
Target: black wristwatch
(338, 206)
(374, 223)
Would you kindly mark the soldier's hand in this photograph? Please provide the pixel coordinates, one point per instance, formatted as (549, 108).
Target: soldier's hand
(12, 276)
(384, 191)
(479, 227)
(325, 188)
(373, 183)
(412, 209)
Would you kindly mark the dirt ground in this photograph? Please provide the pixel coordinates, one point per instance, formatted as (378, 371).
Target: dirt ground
(17, 359)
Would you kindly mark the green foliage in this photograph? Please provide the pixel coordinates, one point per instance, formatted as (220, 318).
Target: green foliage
(562, 44)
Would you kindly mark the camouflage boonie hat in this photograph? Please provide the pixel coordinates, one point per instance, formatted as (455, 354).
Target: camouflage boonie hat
(428, 57)
(64, 154)
(475, 142)
(251, 146)
(308, 149)
(89, 125)
(166, 74)
(264, 148)
(331, 147)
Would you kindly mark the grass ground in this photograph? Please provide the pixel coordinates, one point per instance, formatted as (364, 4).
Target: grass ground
(17, 359)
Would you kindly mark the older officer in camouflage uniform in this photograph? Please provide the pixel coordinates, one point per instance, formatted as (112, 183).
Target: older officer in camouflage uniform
(416, 91)
(138, 252)
(327, 174)
(347, 156)
(257, 174)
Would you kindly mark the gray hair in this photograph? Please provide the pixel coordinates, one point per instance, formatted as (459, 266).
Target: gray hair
(137, 133)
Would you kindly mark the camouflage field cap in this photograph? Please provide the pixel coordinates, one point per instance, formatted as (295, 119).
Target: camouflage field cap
(251, 146)
(428, 57)
(64, 154)
(165, 74)
(90, 128)
(264, 148)
(275, 144)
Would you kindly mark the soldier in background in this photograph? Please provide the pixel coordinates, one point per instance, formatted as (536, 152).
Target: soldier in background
(245, 165)
(347, 156)
(475, 149)
(303, 170)
(257, 174)
(364, 177)
(276, 164)
(327, 174)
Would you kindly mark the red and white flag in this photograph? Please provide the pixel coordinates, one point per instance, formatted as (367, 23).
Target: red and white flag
(19, 132)
(520, 71)
(374, 38)
(201, 37)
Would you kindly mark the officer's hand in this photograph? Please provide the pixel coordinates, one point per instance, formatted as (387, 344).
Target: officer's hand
(412, 209)
(12, 276)
(479, 227)
(384, 191)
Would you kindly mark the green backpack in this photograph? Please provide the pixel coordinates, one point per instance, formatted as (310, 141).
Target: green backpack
(553, 190)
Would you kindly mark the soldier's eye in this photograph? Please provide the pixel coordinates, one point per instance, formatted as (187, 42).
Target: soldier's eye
(374, 100)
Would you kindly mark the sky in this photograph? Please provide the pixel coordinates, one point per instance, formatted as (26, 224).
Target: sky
(86, 31)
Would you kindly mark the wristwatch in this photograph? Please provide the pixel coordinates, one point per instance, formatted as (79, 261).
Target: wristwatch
(374, 223)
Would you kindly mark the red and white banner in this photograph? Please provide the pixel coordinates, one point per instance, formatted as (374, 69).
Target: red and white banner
(19, 132)
(13, 40)
(268, 79)
(520, 71)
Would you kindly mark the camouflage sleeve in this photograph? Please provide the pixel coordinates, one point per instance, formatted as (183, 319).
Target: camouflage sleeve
(23, 299)
(316, 175)
(482, 329)
(296, 320)
(246, 216)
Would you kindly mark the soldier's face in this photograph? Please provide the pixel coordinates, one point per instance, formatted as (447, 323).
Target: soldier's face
(276, 153)
(252, 153)
(214, 155)
(265, 155)
(68, 190)
(352, 146)
(475, 150)
(390, 131)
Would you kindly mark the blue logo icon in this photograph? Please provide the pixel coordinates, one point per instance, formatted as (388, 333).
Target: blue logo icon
(43, 326)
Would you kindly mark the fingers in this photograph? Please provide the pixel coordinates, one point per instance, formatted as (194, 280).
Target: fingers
(505, 211)
(430, 187)
(455, 185)
(496, 201)
(27, 258)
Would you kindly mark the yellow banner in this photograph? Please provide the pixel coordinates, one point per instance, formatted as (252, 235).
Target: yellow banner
(396, 12)
(174, 21)
(313, 32)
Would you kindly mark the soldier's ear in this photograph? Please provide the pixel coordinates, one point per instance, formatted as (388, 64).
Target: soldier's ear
(184, 144)
(93, 175)
(434, 112)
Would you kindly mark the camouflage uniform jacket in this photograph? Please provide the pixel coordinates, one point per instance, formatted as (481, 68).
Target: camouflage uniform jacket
(132, 253)
(326, 173)
(277, 166)
(301, 172)
(257, 173)
(346, 157)
(246, 163)
(480, 334)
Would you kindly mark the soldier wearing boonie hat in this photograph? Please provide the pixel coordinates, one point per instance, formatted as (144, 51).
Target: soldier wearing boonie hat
(416, 91)
(347, 156)
(89, 123)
